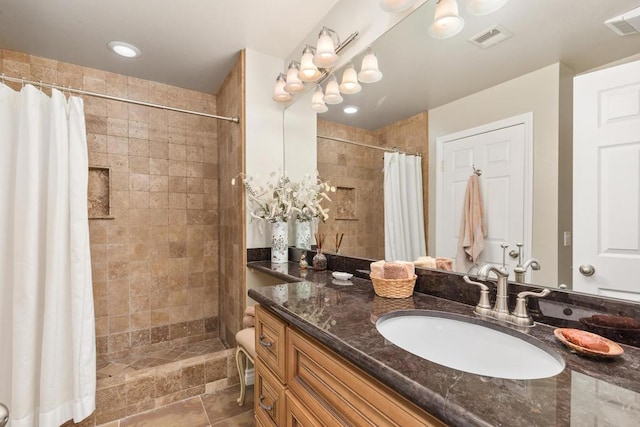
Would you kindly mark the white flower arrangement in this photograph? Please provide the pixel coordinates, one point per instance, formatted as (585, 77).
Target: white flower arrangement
(285, 199)
(308, 195)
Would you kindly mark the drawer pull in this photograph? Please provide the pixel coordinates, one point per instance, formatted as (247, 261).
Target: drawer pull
(263, 342)
(263, 406)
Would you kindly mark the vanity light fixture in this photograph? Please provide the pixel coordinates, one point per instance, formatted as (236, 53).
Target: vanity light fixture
(124, 49)
(317, 101)
(350, 83)
(293, 84)
(484, 7)
(447, 22)
(369, 71)
(395, 6)
(350, 109)
(332, 92)
(279, 94)
(308, 70)
(326, 56)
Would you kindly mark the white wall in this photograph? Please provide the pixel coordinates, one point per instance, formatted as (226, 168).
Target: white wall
(264, 134)
(539, 93)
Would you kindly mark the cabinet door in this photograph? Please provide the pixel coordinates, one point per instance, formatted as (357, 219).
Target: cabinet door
(297, 415)
(270, 341)
(269, 396)
(334, 389)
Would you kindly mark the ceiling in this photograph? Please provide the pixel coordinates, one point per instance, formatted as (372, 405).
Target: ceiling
(194, 43)
(186, 43)
(421, 73)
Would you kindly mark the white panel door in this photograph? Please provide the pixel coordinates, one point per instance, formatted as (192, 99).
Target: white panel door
(500, 155)
(606, 180)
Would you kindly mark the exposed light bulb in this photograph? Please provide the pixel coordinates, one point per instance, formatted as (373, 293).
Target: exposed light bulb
(350, 83)
(350, 109)
(446, 22)
(294, 84)
(126, 50)
(317, 101)
(279, 93)
(369, 72)
(332, 92)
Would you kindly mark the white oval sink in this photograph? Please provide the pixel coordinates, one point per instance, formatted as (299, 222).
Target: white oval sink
(470, 345)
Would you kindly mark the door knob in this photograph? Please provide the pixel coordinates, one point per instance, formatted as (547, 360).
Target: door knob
(514, 253)
(587, 270)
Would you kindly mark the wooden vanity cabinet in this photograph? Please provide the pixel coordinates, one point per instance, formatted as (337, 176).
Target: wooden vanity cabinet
(319, 387)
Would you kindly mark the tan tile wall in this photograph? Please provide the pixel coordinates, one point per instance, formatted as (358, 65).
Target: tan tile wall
(155, 265)
(233, 255)
(348, 165)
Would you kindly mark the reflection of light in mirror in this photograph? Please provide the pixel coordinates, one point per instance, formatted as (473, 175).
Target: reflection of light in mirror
(332, 92)
(350, 109)
(381, 101)
(394, 6)
(317, 102)
(484, 7)
(350, 83)
(369, 71)
(446, 22)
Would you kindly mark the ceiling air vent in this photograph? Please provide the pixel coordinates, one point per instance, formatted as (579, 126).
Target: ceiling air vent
(490, 37)
(626, 24)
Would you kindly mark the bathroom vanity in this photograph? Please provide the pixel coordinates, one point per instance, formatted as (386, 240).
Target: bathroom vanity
(325, 362)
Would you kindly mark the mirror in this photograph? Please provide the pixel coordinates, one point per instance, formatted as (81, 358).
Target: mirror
(423, 75)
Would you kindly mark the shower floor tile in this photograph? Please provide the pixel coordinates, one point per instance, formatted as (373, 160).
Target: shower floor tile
(133, 362)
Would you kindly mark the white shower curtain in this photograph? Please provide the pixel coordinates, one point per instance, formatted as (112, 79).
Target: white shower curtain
(403, 209)
(47, 327)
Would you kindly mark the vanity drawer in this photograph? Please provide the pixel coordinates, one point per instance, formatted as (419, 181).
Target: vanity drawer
(269, 397)
(331, 386)
(270, 341)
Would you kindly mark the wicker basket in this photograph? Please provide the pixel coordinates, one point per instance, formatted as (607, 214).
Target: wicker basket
(393, 288)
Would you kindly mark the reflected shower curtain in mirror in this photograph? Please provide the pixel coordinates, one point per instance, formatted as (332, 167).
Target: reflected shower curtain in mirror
(403, 209)
(47, 327)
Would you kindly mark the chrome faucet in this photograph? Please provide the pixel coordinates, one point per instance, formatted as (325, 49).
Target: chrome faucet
(520, 270)
(500, 310)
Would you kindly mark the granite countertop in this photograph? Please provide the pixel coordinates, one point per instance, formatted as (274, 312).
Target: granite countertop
(342, 316)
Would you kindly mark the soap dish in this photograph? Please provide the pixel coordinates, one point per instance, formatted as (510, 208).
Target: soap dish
(341, 275)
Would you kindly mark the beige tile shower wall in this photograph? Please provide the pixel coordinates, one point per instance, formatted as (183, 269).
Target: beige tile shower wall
(348, 165)
(411, 135)
(352, 166)
(155, 265)
(233, 254)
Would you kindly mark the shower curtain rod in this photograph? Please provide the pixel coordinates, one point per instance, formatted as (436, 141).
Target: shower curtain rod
(392, 150)
(4, 78)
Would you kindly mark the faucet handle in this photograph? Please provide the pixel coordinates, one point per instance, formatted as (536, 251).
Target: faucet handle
(504, 246)
(483, 307)
(521, 314)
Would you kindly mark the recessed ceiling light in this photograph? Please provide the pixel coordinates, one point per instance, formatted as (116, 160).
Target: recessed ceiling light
(350, 109)
(124, 49)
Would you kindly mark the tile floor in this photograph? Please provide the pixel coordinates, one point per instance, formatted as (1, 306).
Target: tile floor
(218, 409)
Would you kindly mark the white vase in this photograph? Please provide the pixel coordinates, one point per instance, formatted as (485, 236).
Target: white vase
(279, 242)
(303, 234)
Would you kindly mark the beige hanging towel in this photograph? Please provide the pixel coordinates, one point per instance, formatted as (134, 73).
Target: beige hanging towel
(472, 227)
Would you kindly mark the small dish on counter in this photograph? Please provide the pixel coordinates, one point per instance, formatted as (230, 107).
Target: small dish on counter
(563, 333)
(341, 282)
(341, 275)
